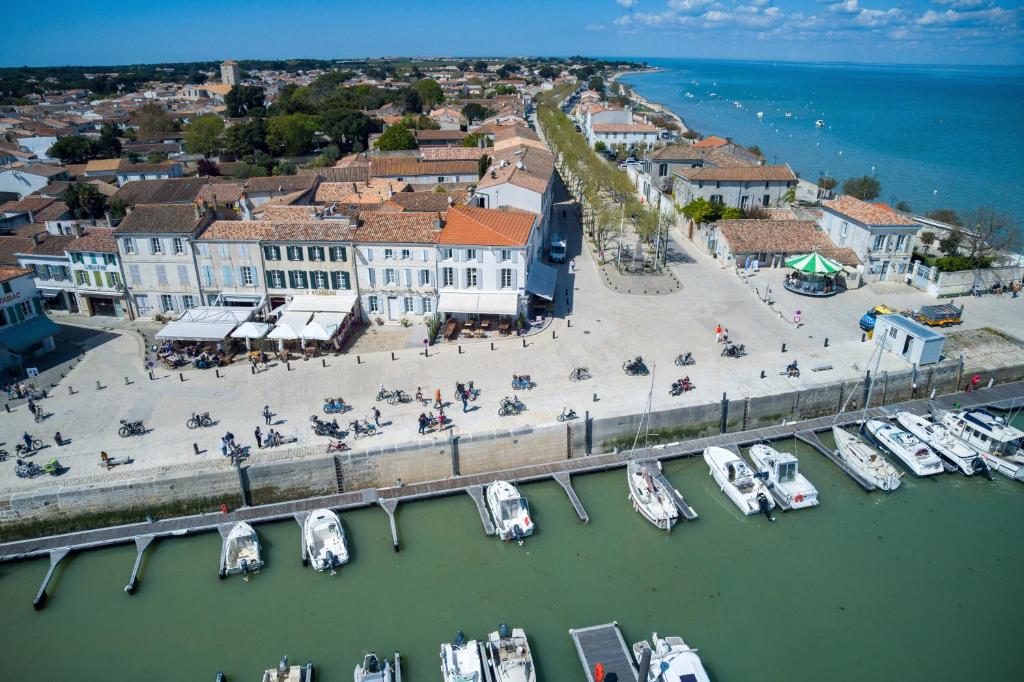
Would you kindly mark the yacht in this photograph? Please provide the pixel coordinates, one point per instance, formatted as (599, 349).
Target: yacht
(992, 437)
(460, 660)
(649, 494)
(325, 540)
(820, 123)
(788, 486)
(739, 483)
(905, 446)
(285, 673)
(508, 654)
(949, 447)
(375, 669)
(510, 511)
(865, 460)
(242, 550)
(669, 659)
(789, 114)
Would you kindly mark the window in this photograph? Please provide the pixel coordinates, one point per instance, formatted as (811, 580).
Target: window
(275, 279)
(373, 304)
(389, 254)
(506, 255)
(155, 246)
(272, 252)
(109, 259)
(294, 253)
(128, 244)
(428, 305)
(188, 301)
(76, 258)
(878, 243)
(81, 278)
(424, 278)
(440, 179)
(406, 254)
(203, 249)
(183, 279)
(717, 199)
(448, 277)
(179, 245)
(338, 253)
(63, 273)
(133, 272)
(297, 279)
(3, 318)
(662, 170)
(471, 278)
(407, 304)
(318, 279)
(26, 309)
(316, 253)
(227, 275)
(765, 200)
(340, 280)
(846, 228)
(743, 202)
(208, 275)
(166, 303)
(5, 287)
(901, 242)
(447, 254)
(390, 276)
(42, 272)
(161, 275)
(470, 254)
(506, 278)
(248, 276)
(113, 280)
(225, 250)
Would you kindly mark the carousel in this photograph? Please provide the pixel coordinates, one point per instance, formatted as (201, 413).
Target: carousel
(814, 275)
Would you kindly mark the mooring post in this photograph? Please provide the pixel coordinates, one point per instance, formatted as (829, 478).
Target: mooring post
(725, 412)
(588, 433)
(454, 445)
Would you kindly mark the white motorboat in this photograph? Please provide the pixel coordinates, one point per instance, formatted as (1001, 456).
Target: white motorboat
(460, 660)
(649, 494)
(738, 482)
(510, 511)
(760, 114)
(903, 445)
(376, 669)
(992, 437)
(669, 659)
(789, 114)
(820, 123)
(508, 654)
(788, 486)
(949, 447)
(242, 550)
(325, 540)
(286, 673)
(865, 460)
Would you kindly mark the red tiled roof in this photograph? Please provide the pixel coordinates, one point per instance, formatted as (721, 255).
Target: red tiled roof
(739, 173)
(398, 228)
(97, 240)
(487, 227)
(270, 231)
(712, 141)
(407, 166)
(865, 213)
(9, 272)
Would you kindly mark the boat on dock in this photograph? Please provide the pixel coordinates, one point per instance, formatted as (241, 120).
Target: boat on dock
(375, 669)
(747, 490)
(1001, 445)
(788, 486)
(650, 495)
(242, 551)
(460, 660)
(903, 445)
(508, 655)
(285, 673)
(865, 460)
(325, 540)
(668, 659)
(510, 511)
(949, 447)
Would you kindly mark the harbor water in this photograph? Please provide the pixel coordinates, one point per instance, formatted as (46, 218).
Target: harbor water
(916, 585)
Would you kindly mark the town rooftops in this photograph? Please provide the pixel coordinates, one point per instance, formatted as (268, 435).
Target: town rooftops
(103, 165)
(711, 141)
(487, 227)
(781, 236)
(442, 135)
(144, 168)
(166, 191)
(399, 228)
(47, 244)
(95, 240)
(30, 203)
(41, 170)
(525, 167)
(222, 192)
(281, 183)
(352, 173)
(439, 153)
(865, 213)
(9, 272)
(405, 166)
(638, 128)
(437, 202)
(273, 231)
(161, 219)
(738, 174)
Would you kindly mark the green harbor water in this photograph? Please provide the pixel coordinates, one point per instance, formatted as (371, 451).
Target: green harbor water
(922, 584)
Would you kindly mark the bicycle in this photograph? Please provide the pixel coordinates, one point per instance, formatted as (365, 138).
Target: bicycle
(337, 446)
(21, 449)
(510, 406)
(398, 396)
(567, 414)
(579, 374)
(635, 367)
(199, 420)
(384, 394)
(522, 381)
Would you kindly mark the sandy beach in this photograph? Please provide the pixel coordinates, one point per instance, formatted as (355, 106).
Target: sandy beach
(653, 106)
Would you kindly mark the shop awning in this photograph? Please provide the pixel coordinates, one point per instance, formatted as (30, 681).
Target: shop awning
(49, 293)
(204, 323)
(479, 302)
(541, 280)
(22, 335)
(323, 327)
(290, 325)
(339, 303)
(251, 330)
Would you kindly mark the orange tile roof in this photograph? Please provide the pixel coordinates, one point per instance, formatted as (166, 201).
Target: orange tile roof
(865, 213)
(712, 141)
(403, 166)
(624, 128)
(9, 272)
(487, 226)
(398, 228)
(270, 231)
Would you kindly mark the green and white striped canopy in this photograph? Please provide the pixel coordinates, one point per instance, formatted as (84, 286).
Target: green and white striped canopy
(813, 263)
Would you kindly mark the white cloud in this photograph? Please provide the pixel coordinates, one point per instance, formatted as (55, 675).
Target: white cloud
(690, 7)
(962, 4)
(845, 7)
(594, 27)
(628, 4)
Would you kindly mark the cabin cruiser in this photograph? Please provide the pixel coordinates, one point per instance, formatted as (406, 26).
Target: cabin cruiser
(905, 446)
(325, 540)
(508, 654)
(650, 495)
(375, 669)
(460, 660)
(668, 659)
(510, 511)
(992, 437)
(865, 461)
(949, 447)
(788, 486)
(285, 673)
(242, 550)
(739, 483)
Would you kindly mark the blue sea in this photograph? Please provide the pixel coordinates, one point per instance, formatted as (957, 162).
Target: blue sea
(935, 136)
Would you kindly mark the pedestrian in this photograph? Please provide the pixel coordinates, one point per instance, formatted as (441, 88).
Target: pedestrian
(441, 419)
(725, 336)
(267, 414)
(376, 416)
(419, 395)
(437, 399)
(423, 423)
(1015, 288)
(718, 333)
(277, 438)
(230, 438)
(465, 403)
(224, 446)
(28, 442)
(32, 406)
(259, 438)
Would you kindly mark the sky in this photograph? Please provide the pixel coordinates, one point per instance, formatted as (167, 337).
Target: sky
(100, 32)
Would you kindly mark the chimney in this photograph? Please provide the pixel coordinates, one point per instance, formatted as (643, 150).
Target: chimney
(199, 212)
(439, 222)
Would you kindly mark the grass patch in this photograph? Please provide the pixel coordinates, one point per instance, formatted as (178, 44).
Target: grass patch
(663, 435)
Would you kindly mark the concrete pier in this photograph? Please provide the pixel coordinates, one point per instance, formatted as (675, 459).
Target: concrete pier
(477, 493)
(142, 542)
(563, 479)
(390, 506)
(56, 556)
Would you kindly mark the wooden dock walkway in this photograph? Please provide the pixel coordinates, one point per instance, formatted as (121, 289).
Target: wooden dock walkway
(603, 645)
(477, 493)
(563, 479)
(678, 500)
(811, 438)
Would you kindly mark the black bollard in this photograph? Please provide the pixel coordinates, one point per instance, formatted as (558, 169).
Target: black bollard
(762, 374)
(783, 348)
(58, 439)
(492, 345)
(252, 369)
(99, 386)
(553, 334)
(151, 377)
(359, 360)
(595, 397)
(826, 342)
(195, 447)
(863, 338)
(460, 349)
(393, 358)
(288, 365)
(216, 371)
(323, 362)
(524, 342)
(71, 390)
(7, 407)
(181, 376)
(568, 322)
(126, 382)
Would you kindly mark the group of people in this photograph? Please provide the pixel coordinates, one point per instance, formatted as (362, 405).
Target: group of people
(442, 421)
(721, 334)
(999, 288)
(797, 280)
(17, 390)
(272, 439)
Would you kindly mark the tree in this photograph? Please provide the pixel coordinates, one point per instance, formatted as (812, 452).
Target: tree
(701, 211)
(151, 120)
(347, 128)
(986, 234)
(395, 138)
(547, 72)
(865, 188)
(949, 245)
(903, 206)
(731, 213)
(482, 164)
(600, 146)
(421, 122)
(826, 183)
(207, 168)
(243, 139)
(790, 196)
(156, 157)
(72, 149)
(476, 112)
(203, 135)
(117, 208)
(927, 237)
(242, 100)
(108, 145)
(755, 150)
(411, 102)
(429, 91)
(944, 215)
(480, 66)
(596, 83)
(293, 134)
(476, 139)
(85, 201)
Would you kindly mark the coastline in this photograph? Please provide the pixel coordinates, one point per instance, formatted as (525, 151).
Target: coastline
(654, 106)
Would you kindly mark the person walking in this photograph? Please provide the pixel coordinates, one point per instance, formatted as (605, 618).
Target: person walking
(224, 446)
(28, 441)
(725, 336)
(465, 402)
(267, 414)
(441, 419)
(376, 416)
(259, 438)
(32, 406)
(718, 333)
(437, 399)
(423, 423)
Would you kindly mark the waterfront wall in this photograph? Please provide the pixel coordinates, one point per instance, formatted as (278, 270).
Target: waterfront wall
(946, 284)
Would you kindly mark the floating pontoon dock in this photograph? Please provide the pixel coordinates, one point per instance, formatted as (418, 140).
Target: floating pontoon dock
(603, 645)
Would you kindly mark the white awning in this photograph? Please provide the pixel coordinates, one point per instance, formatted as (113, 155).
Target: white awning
(251, 330)
(204, 323)
(339, 303)
(289, 326)
(479, 302)
(541, 280)
(323, 327)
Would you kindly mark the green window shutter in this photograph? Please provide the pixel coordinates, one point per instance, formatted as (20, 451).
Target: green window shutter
(38, 306)
(16, 313)
(97, 277)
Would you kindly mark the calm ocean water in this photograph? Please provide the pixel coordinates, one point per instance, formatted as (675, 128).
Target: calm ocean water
(936, 136)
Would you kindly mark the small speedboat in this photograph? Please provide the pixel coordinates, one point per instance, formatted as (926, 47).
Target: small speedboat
(760, 114)
(787, 485)
(669, 659)
(949, 447)
(242, 551)
(865, 461)
(820, 123)
(510, 511)
(747, 490)
(649, 495)
(903, 445)
(508, 654)
(375, 669)
(788, 114)
(325, 540)
(460, 660)
(285, 673)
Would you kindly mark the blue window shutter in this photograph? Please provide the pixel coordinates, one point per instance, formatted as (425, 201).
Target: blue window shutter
(514, 273)
(369, 255)
(408, 277)
(38, 307)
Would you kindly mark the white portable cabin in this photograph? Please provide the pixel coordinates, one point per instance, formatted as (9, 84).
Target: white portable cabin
(911, 340)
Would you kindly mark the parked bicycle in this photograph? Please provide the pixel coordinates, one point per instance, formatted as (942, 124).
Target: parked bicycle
(383, 393)
(685, 359)
(4, 455)
(468, 389)
(511, 405)
(322, 427)
(635, 367)
(23, 448)
(398, 396)
(362, 427)
(567, 415)
(733, 350)
(792, 370)
(337, 446)
(579, 374)
(28, 469)
(198, 420)
(522, 381)
(128, 428)
(336, 405)
(681, 386)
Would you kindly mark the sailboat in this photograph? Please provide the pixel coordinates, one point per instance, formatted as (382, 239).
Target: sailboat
(649, 495)
(508, 654)
(242, 550)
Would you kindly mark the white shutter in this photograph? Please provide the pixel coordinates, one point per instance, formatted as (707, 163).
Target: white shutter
(408, 277)
(424, 253)
(149, 245)
(514, 272)
(417, 304)
(479, 278)
(373, 277)
(369, 255)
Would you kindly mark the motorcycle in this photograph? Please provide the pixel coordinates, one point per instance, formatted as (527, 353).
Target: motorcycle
(733, 350)
(53, 467)
(322, 427)
(681, 386)
(521, 382)
(686, 359)
(337, 446)
(635, 367)
(336, 406)
(792, 371)
(383, 394)
(511, 405)
(363, 427)
(567, 414)
(128, 428)
(199, 420)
